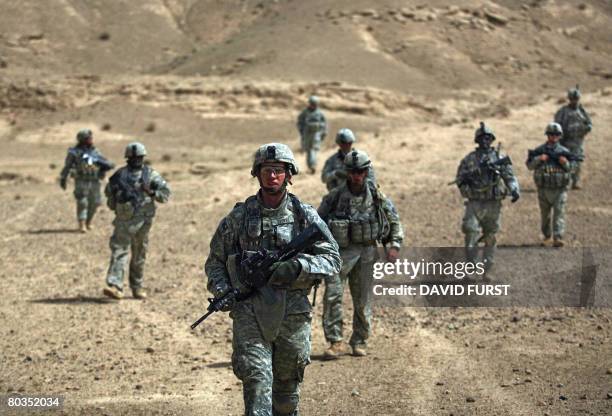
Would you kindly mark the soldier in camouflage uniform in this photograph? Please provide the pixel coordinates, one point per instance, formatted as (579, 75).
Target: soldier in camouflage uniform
(552, 175)
(334, 173)
(576, 124)
(312, 126)
(88, 167)
(484, 178)
(359, 216)
(132, 192)
(271, 340)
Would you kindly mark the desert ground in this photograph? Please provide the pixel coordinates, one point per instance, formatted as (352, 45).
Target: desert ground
(203, 83)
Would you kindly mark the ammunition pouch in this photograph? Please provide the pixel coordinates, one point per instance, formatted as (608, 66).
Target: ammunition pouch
(234, 270)
(552, 177)
(340, 231)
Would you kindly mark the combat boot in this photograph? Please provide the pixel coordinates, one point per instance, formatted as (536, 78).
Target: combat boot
(113, 292)
(89, 226)
(82, 227)
(139, 293)
(334, 351)
(547, 242)
(359, 351)
(558, 242)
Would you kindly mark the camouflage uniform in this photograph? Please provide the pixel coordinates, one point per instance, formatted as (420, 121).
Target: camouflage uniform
(312, 126)
(82, 161)
(552, 180)
(271, 342)
(131, 224)
(576, 124)
(334, 172)
(357, 222)
(484, 192)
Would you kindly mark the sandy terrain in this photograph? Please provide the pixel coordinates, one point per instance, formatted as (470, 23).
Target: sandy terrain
(203, 83)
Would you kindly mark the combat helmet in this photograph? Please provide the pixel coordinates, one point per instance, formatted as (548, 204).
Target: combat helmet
(83, 135)
(356, 159)
(574, 93)
(135, 149)
(553, 129)
(274, 152)
(345, 136)
(483, 131)
(313, 100)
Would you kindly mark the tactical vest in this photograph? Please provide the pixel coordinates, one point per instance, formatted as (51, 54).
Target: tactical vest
(128, 195)
(84, 166)
(270, 233)
(259, 232)
(485, 188)
(367, 231)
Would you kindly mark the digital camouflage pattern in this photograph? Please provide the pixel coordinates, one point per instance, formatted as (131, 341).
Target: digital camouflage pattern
(87, 176)
(132, 225)
(576, 124)
(349, 215)
(312, 126)
(271, 342)
(334, 171)
(483, 203)
(552, 180)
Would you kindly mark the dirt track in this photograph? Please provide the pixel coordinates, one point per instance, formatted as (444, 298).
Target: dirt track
(416, 121)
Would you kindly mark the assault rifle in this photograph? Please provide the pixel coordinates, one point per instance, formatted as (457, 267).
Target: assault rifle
(554, 156)
(255, 269)
(95, 159)
(126, 192)
(485, 167)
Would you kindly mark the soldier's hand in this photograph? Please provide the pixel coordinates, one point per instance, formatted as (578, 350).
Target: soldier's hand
(515, 196)
(63, 183)
(220, 290)
(544, 157)
(284, 273)
(147, 189)
(392, 254)
(562, 160)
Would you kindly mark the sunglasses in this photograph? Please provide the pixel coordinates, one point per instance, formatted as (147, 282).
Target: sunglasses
(269, 170)
(357, 171)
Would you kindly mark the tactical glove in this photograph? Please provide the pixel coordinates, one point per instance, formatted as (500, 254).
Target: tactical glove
(63, 183)
(515, 196)
(221, 289)
(284, 273)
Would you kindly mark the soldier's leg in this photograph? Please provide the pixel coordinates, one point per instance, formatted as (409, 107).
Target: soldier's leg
(80, 195)
(332, 298)
(559, 214)
(360, 283)
(291, 355)
(94, 200)
(490, 226)
(119, 245)
(252, 362)
(471, 230)
(140, 241)
(545, 207)
(332, 308)
(313, 150)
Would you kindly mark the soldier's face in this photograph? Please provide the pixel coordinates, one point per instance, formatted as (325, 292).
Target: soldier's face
(552, 138)
(485, 141)
(89, 141)
(272, 176)
(357, 176)
(345, 147)
(574, 102)
(136, 162)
